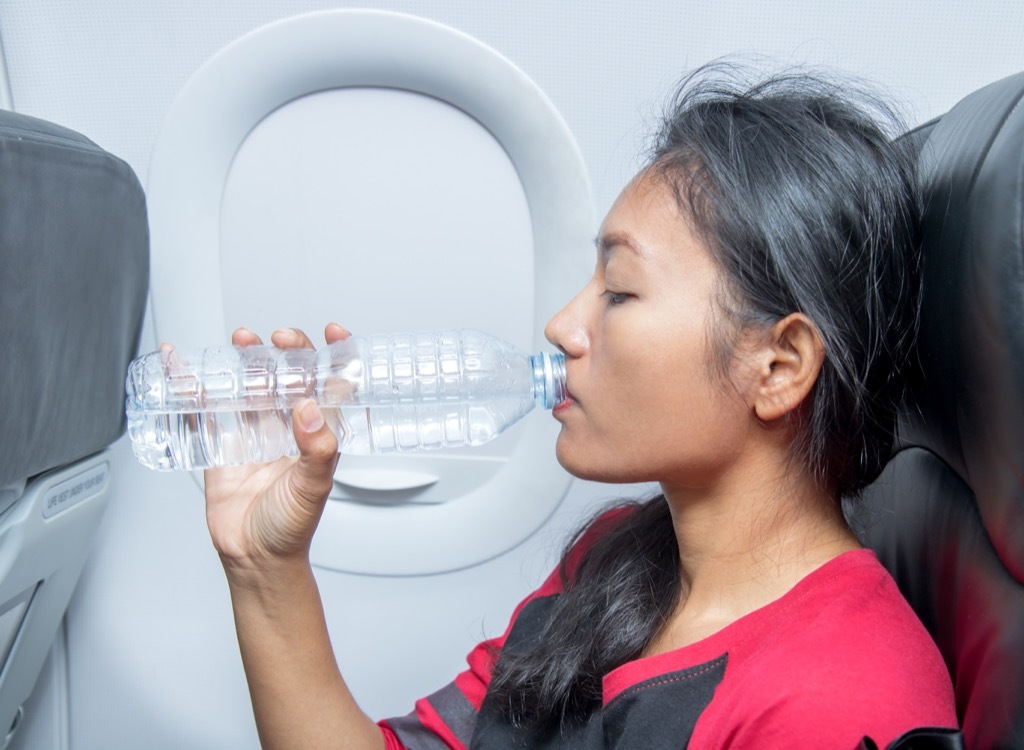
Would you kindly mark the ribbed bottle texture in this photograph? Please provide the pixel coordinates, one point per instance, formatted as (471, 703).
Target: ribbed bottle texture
(226, 406)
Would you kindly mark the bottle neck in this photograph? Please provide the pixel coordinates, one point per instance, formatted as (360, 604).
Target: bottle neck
(548, 379)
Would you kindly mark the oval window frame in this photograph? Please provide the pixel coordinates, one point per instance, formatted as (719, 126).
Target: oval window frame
(280, 62)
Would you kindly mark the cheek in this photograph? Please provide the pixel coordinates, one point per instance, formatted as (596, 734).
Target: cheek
(651, 364)
(669, 362)
(679, 405)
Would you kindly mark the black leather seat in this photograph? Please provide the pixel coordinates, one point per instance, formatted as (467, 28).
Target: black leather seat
(74, 269)
(947, 516)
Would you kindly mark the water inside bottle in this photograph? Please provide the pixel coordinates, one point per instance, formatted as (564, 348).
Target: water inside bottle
(198, 440)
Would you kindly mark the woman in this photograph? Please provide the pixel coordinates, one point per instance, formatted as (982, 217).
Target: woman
(740, 342)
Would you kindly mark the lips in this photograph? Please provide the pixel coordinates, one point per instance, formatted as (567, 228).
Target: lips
(566, 403)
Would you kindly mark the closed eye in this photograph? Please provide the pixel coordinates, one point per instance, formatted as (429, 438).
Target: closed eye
(615, 298)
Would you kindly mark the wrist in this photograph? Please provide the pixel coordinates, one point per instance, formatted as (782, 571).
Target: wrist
(266, 575)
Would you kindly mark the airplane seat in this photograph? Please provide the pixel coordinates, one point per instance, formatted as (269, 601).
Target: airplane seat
(74, 268)
(946, 517)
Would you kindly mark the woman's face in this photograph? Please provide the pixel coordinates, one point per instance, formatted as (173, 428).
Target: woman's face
(645, 403)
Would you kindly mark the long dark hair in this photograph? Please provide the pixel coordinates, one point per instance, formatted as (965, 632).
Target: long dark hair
(807, 202)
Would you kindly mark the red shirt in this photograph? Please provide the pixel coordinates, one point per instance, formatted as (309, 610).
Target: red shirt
(839, 657)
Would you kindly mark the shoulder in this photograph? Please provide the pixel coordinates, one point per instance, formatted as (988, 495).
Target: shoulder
(855, 612)
(596, 531)
(592, 533)
(592, 536)
(849, 658)
(632, 530)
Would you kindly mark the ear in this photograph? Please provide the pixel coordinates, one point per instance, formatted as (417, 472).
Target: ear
(788, 366)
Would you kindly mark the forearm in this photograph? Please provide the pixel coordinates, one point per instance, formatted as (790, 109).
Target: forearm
(299, 697)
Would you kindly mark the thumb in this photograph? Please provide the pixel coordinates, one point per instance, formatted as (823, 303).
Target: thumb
(313, 474)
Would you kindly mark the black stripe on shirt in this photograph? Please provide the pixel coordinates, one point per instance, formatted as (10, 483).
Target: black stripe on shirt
(452, 706)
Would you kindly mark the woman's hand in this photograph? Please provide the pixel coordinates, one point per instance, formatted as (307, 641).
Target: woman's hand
(266, 513)
(262, 518)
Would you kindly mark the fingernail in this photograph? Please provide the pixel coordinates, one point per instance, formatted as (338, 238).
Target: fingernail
(310, 417)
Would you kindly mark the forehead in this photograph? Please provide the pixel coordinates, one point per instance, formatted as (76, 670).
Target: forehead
(645, 221)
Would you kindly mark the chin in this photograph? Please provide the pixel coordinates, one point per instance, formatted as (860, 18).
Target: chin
(594, 467)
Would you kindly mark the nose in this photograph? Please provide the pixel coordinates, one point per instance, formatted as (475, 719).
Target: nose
(567, 329)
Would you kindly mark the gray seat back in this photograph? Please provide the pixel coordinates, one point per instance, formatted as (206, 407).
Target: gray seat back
(74, 267)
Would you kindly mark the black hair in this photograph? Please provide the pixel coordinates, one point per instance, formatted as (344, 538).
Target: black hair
(807, 202)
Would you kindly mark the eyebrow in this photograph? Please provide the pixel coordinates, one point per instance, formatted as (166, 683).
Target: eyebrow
(608, 242)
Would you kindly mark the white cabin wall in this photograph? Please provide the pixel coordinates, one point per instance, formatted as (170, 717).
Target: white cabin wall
(152, 660)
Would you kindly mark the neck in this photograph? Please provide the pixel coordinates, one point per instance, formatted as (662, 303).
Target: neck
(744, 544)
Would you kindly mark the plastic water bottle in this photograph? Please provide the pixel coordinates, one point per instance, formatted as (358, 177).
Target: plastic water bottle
(229, 405)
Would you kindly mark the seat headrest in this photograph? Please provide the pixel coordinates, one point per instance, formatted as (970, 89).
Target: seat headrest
(970, 397)
(74, 271)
